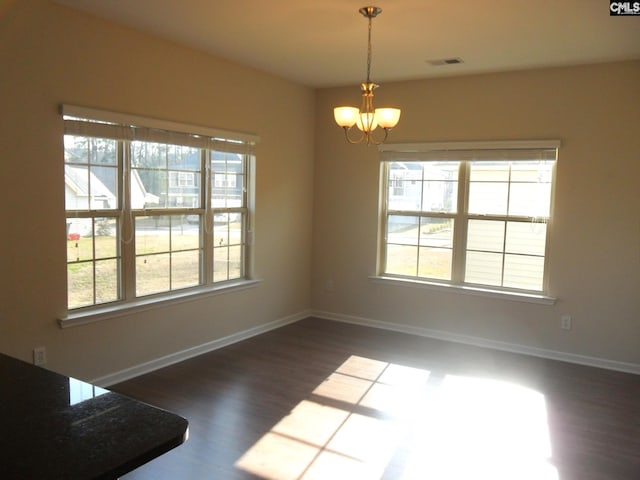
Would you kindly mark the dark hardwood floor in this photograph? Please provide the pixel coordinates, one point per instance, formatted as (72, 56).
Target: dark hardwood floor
(325, 400)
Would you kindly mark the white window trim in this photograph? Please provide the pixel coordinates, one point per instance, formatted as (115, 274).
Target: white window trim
(539, 299)
(114, 310)
(472, 145)
(127, 119)
(387, 152)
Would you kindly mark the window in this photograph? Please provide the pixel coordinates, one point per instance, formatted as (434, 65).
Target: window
(182, 179)
(144, 217)
(468, 214)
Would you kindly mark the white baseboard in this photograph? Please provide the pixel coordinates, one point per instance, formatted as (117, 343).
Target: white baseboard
(484, 342)
(147, 367)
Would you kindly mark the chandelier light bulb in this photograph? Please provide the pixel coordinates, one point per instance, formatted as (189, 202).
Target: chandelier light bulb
(346, 117)
(388, 117)
(367, 122)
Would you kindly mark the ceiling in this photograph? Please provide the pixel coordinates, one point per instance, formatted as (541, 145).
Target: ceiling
(323, 43)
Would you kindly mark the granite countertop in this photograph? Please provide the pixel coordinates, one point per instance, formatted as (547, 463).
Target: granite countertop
(57, 427)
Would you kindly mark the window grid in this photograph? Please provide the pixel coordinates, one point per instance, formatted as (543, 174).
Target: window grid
(129, 209)
(511, 261)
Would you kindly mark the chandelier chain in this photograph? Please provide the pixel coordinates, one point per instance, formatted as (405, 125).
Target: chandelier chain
(369, 52)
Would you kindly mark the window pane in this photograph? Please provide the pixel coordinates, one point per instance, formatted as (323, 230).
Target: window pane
(486, 235)
(435, 263)
(152, 189)
(80, 284)
(76, 149)
(83, 291)
(185, 269)
(521, 271)
(488, 198)
(402, 229)
(76, 192)
(236, 236)
(426, 186)
(184, 189)
(440, 189)
(81, 242)
(401, 260)
(102, 151)
(106, 281)
(152, 274)
(183, 158)
(235, 262)
(440, 196)
(152, 234)
(165, 176)
(220, 264)
(224, 229)
(79, 239)
(228, 238)
(530, 199)
(526, 238)
(87, 150)
(90, 187)
(91, 174)
(185, 235)
(489, 171)
(484, 268)
(93, 261)
(148, 155)
(168, 251)
(404, 186)
(227, 180)
(103, 187)
(436, 232)
(106, 237)
(404, 195)
(228, 263)
(194, 219)
(533, 172)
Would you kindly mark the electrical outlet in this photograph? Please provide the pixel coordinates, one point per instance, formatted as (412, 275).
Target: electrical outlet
(565, 322)
(39, 356)
(328, 285)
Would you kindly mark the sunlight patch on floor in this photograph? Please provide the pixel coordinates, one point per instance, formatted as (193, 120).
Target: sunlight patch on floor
(483, 429)
(371, 419)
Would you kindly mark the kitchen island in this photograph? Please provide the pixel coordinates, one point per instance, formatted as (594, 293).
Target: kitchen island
(57, 427)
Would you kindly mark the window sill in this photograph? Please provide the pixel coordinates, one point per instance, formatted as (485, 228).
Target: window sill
(92, 315)
(467, 290)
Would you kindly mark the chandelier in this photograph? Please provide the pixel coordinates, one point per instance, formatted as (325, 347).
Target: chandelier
(367, 118)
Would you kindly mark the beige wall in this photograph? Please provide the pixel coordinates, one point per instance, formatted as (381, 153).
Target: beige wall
(595, 244)
(51, 55)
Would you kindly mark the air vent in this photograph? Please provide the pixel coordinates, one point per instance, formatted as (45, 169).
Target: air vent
(445, 61)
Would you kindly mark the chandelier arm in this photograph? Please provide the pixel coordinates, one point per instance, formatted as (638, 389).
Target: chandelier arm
(371, 140)
(350, 140)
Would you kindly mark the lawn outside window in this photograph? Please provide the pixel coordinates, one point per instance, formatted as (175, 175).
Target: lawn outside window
(474, 215)
(147, 219)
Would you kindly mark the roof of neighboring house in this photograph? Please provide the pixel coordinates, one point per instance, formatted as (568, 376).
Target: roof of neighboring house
(139, 195)
(77, 179)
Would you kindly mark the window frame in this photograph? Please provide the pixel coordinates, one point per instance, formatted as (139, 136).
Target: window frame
(208, 141)
(462, 152)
